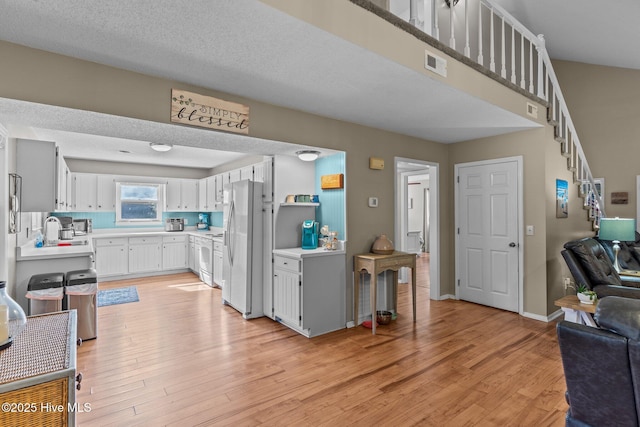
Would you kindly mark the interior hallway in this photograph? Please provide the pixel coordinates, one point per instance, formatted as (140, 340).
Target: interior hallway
(179, 357)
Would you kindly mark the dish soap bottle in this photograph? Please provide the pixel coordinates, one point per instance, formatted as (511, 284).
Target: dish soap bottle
(39, 240)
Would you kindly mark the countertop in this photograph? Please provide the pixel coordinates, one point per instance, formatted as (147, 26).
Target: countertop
(28, 251)
(304, 253)
(215, 234)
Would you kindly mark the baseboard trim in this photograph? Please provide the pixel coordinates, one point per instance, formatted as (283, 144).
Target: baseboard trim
(139, 275)
(547, 319)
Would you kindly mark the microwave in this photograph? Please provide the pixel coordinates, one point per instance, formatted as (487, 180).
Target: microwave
(82, 225)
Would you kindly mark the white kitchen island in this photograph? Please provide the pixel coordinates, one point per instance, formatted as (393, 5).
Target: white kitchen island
(309, 291)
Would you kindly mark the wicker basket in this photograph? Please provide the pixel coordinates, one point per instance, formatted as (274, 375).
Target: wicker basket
(383, 317)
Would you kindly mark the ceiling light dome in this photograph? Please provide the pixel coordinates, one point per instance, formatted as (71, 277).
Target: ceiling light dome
(307, 155)
(157, 146)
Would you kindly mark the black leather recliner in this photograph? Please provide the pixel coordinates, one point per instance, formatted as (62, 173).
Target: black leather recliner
(602, 365)
(590, 265)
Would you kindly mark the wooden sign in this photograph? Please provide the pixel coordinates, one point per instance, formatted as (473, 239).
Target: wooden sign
(329, 182)
(619, 198)
(207, 112)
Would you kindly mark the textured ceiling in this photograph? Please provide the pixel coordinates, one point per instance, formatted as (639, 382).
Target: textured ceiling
(249, 49)
(590, 31)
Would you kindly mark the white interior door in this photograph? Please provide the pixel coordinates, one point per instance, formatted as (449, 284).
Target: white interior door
(487, 208)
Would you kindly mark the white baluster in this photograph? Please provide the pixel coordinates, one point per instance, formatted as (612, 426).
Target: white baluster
(492, 53)
(434, 20)
(503, 69)
(541, 49)
(513, 54)
(522, 68)
(480, 57)
(452, 39)
(531, 89)
(413, 12)
(467, 49)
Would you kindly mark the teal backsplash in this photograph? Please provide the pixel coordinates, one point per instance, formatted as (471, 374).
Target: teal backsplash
(102, 220)
(332, 209)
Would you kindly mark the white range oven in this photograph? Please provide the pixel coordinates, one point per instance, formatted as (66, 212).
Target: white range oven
(204, 249)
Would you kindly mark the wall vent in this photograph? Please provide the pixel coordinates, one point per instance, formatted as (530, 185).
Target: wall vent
(532, 110)
(435, 63)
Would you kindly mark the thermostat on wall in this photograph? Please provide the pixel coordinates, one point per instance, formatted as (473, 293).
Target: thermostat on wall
(373, 202)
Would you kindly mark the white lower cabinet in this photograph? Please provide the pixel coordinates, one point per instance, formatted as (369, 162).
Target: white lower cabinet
(309, 292)
(174, 252)
(111, 256)
(145, 254)
(287, 281)
(193, 260)
(122, 256)
(217, 263)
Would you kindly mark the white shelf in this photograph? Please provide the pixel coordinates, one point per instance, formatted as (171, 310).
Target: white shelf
(299, 204)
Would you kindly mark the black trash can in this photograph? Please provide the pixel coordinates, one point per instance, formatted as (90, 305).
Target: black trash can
(81, 289)
(45, 293)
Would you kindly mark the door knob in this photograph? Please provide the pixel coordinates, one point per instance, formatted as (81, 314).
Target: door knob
(512, 245)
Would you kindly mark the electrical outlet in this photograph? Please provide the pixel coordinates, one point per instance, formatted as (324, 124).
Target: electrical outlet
(567, 283)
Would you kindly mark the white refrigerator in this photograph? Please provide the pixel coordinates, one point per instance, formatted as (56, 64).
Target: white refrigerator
(242, 286)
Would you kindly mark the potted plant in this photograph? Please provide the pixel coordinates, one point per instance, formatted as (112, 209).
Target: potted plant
(585, 295)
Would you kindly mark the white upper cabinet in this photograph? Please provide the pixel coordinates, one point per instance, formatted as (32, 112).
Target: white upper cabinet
(85, 192)
(202, 194)
(221, 180)
(246, 173)
(189, 194)
(106, 193)
(211, 192)
(93, 192)
(234, 176)
(37, 165)
(173, 196)
(182, 195)
(263, 172)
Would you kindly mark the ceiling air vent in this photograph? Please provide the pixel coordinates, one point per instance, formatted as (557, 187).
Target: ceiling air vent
(435, 63)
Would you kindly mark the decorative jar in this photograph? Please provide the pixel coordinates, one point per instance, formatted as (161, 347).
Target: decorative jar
(382, 245)
(12, 318)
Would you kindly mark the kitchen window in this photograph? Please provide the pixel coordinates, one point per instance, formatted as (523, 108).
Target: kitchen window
(139, 203)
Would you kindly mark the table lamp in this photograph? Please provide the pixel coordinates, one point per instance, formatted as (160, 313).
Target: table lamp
(617, 230)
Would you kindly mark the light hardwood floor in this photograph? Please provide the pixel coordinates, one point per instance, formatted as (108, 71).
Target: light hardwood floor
(178, 357)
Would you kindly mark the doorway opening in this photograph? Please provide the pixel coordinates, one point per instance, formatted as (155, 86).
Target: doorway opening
(416, 219)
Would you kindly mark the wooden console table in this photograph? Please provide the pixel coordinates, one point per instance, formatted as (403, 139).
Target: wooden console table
(577, 312)
(375, 264)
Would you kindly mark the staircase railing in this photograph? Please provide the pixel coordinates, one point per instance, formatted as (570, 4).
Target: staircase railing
(499, 43)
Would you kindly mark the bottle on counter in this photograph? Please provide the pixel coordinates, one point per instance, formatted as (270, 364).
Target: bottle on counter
(39, 242)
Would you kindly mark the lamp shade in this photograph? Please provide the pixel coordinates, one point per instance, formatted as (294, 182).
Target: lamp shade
(621, 229)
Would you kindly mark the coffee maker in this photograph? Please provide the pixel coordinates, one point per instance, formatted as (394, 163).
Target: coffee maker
(309, 234)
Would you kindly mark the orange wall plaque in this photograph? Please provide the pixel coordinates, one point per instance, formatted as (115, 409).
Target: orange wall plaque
(328, 182)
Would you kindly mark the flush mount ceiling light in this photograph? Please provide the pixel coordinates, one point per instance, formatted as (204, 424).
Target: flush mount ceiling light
(448, 2)
(308, 155)
(160, 147)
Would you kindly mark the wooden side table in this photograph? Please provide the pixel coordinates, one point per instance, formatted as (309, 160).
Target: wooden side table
(375, 264)
(577, 312)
